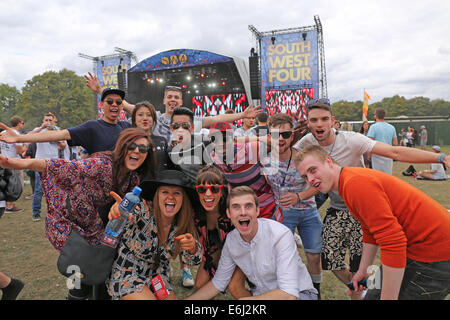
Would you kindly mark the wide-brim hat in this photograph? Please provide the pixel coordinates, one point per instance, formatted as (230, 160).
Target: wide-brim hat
(169, 178)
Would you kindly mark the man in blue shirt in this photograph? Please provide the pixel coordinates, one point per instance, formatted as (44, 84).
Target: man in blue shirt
(384, 132)
(93, 135)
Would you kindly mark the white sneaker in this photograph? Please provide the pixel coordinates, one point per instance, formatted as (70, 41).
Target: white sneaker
(298, 241)
(186, 278)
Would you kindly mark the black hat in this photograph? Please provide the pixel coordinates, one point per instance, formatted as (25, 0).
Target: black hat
(107, 91)
(169, 178)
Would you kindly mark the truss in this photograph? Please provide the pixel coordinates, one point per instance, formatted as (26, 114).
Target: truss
(323, 91)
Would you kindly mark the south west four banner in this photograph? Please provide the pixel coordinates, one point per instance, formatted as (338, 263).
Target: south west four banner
(289, 71)
(107, 76)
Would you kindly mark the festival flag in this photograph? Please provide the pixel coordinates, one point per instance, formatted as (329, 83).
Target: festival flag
(365, 105)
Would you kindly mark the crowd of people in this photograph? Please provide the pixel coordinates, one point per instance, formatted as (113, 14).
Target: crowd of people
(233, 201)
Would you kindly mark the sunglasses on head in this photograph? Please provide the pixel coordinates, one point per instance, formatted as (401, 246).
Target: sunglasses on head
(111, 101)
(173, 88)
(321, 100)
(184, 125)
(201, 189)
(284, 134)
(142, 148)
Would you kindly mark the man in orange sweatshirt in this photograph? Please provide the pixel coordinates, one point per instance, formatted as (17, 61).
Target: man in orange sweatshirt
(411, 229)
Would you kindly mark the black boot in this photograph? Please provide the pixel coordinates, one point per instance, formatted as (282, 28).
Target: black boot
(317, 286)
(12, 290)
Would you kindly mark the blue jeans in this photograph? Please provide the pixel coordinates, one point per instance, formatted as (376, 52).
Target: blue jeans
(37, 196)
(309, 227)
(421, 281)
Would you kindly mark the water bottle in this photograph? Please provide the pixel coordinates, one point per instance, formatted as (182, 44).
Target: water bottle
(115, 227)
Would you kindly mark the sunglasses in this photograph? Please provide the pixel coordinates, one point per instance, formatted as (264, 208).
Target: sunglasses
(284, 134)
(142, 148)
(184, 125)
(111, 101)
(201, 189)
(173, 88)
(321, 100)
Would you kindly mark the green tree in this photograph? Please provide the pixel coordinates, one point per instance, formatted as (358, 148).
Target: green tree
(9, 98)
(63, 93)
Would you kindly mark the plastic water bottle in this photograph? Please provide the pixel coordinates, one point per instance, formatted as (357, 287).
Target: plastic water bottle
(115, 227)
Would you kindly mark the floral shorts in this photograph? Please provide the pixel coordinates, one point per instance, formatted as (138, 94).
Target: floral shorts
(341, 231)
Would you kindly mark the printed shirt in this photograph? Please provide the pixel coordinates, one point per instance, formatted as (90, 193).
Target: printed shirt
(85, 184)
(277, 172)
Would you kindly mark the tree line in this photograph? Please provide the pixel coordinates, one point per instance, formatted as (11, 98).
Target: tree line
(65, 95)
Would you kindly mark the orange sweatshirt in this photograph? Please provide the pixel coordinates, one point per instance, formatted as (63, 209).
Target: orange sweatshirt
(402, 220)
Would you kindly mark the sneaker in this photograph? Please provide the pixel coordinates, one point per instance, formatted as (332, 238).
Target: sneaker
(36, 218)
(186, 278)
(13, 209)
(298, 241)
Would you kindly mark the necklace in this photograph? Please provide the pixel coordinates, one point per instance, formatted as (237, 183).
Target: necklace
(334, 142)
(287, 169)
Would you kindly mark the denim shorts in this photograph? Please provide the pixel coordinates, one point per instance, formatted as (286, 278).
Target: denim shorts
(309, 227)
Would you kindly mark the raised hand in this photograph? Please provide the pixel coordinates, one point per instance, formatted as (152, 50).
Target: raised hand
(251, 111)
(93, 83)
(8, 135)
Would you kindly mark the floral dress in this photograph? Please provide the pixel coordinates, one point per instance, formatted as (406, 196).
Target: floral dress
(85, 185)
(212, 241)
(140, 257)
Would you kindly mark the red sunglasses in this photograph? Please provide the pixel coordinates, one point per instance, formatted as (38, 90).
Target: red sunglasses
(201, 189)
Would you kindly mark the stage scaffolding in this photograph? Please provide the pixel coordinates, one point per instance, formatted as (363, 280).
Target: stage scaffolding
(323, 92)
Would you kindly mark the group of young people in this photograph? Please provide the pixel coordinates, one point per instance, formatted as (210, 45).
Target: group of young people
(229, 206)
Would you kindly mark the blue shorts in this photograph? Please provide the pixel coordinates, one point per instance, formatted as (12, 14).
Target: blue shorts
(309, 227)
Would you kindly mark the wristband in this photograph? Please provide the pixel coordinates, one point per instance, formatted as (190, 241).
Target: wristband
(441, 158)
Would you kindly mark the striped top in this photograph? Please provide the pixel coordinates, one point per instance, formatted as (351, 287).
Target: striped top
(245, 170)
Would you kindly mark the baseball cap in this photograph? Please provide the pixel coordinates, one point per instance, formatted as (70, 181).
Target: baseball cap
(111, 90)
(437, 148)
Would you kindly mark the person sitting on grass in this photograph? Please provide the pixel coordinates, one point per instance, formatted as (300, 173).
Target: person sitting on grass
(436, 171)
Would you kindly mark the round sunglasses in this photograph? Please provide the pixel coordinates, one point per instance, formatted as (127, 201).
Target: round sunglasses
(202, 189)
(111, 101)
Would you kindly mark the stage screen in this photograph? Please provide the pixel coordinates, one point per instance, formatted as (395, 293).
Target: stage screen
(289, 62)
(211, 105)
(292, 102)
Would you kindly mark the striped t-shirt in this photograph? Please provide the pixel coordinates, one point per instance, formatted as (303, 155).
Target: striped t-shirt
(245, 170)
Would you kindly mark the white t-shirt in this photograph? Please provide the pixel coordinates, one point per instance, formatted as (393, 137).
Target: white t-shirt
(9, 149)
(46, 150)
(347, 151)
(270, 261)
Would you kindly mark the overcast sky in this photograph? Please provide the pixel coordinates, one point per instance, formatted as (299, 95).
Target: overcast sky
(387, 47)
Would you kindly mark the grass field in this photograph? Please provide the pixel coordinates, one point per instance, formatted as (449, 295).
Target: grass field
(25, 252)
